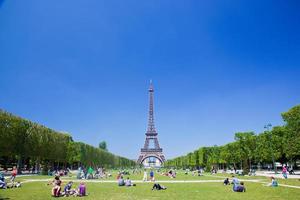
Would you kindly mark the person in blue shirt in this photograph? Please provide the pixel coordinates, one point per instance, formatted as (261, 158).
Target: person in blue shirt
(68, 189)
(239, 188)
(2, 176)
(273, 183)
(151, 175)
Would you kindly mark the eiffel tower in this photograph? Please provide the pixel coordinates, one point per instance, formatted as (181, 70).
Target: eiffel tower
(151, 156)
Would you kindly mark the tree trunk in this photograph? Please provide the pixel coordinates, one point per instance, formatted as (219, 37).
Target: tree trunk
(19, 165)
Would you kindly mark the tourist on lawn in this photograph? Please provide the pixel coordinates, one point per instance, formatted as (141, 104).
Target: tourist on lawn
(213, 170)
(2, 177)
(90, 173)
(56, 189)
(200, 172)
(239, 188)
(121, 181)
(13, 174)
(81, 191)
(68, 189)
(128, 182)
(290, 170)
(284, 172)
(79, 173)
(157, 186)
(235, 180)
(273, 183)
(3, 184)
(145, 176)
(186, 171)
(226, 181)
(13, 185)
(118, 176)
(152, 175)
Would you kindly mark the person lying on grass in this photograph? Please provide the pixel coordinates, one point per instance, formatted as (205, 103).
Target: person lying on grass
(157, 186)
(4, 185)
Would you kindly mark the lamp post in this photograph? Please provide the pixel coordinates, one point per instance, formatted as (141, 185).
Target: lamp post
(267, 128)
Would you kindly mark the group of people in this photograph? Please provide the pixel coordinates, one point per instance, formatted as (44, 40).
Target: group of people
(240, 186)
(68, 190)
(90, 173)
(127, 182)
(237, 185)
(151, 175)
(12, 183)
(169, 173)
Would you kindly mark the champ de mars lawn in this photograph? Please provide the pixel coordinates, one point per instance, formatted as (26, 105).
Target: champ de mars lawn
(182, 187)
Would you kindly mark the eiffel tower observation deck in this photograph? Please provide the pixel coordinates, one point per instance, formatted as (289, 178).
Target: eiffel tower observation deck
(151, 154)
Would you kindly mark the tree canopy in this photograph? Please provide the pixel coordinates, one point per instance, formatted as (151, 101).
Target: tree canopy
(281, 143)
(21, 139)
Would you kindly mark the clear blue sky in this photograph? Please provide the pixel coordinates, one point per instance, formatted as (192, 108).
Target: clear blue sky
(218, 67)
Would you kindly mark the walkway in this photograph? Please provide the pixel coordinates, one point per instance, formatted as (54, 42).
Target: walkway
(161, 181)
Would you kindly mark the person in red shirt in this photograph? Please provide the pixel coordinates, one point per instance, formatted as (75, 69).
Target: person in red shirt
(13, 174)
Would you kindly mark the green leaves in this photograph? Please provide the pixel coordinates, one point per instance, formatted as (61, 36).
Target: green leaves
(282, 142)
(24, 139)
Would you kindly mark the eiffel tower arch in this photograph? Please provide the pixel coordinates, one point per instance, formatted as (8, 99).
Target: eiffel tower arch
(151, 154)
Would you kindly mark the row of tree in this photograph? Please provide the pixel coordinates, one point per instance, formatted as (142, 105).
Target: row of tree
(279, 144)
(24, 141)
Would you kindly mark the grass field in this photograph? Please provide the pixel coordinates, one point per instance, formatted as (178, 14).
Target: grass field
(37, 189)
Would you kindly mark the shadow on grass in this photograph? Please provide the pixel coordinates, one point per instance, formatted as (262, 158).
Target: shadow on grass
(4, 198)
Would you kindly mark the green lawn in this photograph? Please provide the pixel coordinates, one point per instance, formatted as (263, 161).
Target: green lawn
(40, 190)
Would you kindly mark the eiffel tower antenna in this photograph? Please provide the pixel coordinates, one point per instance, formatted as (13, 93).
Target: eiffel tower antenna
(151, 156)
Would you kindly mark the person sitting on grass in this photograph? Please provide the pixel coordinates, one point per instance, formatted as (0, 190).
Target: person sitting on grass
(3, 184)
(226, 181)
(273, 183)
(81, 190)
(157, 186)
(56, 189)
(121, 181)
(291, 171)
(239, 188)
(128, 182)
(2, 177)
(68, 189)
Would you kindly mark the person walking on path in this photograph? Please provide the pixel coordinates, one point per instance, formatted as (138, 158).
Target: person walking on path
(284, 172)
(145, 176)
(152, 175)
(13, 174)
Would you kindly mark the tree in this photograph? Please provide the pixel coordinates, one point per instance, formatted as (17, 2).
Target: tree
(103, 145)
(26, 142)
(247, 145)
(292, 138)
